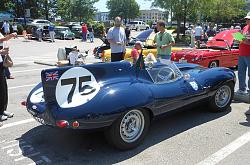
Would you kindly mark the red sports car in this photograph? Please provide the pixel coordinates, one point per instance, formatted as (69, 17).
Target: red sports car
(222, 50)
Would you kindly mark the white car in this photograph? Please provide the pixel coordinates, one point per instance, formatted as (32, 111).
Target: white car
(137, 25)
(41, 22)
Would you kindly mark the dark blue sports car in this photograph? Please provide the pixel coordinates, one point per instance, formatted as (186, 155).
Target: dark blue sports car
(123, 98)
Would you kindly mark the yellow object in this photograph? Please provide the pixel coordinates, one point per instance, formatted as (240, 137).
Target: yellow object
(107, 53)
(149, 42)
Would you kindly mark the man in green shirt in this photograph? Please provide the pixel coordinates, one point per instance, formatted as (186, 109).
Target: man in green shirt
(163, 41)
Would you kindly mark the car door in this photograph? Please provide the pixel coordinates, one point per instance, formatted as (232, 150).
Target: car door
(226, 58)
(169, 96)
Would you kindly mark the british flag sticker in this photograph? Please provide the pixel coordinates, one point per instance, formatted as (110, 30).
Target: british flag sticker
(51, 76)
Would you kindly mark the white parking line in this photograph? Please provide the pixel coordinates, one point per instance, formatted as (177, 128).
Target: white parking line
(23, 86)
(227, 150)
(17, 123)
(29, 70)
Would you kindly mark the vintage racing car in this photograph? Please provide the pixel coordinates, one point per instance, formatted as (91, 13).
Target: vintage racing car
(122, 98)
(221, 50)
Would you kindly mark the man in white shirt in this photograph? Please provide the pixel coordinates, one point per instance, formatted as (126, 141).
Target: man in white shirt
(117, 38)
(198, 34)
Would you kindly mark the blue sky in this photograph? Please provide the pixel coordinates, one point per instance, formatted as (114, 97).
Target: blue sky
(101, 5)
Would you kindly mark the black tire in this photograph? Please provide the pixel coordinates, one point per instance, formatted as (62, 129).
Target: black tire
(115, 135)
(218, 104)
(213, 64)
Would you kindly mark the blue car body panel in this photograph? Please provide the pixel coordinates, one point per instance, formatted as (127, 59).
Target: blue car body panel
(96, 95)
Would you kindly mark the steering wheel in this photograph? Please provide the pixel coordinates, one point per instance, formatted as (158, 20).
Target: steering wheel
(165, 74)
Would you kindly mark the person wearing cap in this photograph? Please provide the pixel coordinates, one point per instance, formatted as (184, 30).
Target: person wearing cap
(117, 38)
(244, 59)
(163, 41)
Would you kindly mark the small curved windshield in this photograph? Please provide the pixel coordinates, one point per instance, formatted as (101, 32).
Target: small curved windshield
(164, 71)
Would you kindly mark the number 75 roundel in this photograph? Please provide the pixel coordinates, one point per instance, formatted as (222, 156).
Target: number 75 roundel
(76, 87)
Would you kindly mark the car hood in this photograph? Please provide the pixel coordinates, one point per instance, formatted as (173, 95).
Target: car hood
(224, 35)
(190, 53)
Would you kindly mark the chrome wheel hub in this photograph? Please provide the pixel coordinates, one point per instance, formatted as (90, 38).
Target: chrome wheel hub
(132, 126)
(223, 96)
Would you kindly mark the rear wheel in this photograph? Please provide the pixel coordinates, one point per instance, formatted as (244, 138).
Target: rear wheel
(213, 64)
(129, 130)
(222, 97)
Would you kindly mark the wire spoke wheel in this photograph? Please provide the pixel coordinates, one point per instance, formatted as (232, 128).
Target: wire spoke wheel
(223, 96)
(132, 126)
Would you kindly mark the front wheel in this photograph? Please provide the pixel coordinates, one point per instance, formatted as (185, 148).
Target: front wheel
(129, 130)
(213, 64)
(222, 97)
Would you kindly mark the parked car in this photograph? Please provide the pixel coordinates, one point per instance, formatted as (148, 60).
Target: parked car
(77, 30)
(71, 24)
(40, 22)
(122, 98)
(98, 51)
(221, 50)
(137, 25)
(22, 21)
(63, 32)
(45, 31)
(147, 38)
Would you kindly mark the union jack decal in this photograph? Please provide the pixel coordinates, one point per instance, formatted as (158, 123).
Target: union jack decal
(51, 76)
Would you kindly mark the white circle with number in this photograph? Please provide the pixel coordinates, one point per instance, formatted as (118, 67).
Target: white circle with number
(76, 87)
(37, 96)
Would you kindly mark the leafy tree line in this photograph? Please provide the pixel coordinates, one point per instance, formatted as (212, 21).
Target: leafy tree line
(70, 10)
(194, 11)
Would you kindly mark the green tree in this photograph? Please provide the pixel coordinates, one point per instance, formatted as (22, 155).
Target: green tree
(224, 10)
(7, 5)
(126, 9)
(76, 10)
(202, 10)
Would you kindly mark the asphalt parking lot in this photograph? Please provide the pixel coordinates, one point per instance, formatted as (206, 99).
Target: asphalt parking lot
(188, 137)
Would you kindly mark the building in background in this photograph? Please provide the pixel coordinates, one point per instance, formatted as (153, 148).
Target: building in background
(102, 16)
(248, 4)
(152, 15)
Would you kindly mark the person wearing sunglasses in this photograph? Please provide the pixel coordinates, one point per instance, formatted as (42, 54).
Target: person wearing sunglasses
(163, 41)
(244, 60)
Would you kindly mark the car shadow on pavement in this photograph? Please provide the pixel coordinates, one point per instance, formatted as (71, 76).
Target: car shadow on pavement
(78, 147)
